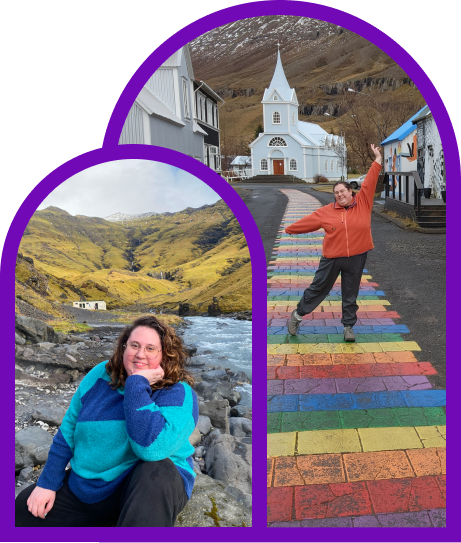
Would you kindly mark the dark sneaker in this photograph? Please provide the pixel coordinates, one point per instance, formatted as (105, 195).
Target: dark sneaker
(293, 323)
(349, 334)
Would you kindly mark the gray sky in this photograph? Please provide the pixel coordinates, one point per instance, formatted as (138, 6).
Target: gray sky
(130, 186)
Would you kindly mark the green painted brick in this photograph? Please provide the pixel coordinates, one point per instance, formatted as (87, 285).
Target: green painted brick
(420, 416)
(310, 420)
(273, 422)
(276, 339)
(308, 338)
(370, 418)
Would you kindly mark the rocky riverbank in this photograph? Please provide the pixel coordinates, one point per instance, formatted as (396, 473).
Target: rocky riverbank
(49, 368)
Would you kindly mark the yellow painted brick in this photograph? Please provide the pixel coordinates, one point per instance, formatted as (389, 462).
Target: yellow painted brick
(319, 348)
(432, 436)
(351, 348)
(389, 439)
(271, 349)
(409, 346)
(373, 302)
(371, 347)
(287, 349)
(328, 441)
(281, 444)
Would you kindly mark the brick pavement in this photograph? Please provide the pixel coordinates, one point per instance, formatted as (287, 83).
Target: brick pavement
(356, 432)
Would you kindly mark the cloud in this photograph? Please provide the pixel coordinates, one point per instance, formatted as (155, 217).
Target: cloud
(131, 187)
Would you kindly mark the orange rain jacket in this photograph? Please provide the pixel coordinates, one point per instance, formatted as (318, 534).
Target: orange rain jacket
(347, 231)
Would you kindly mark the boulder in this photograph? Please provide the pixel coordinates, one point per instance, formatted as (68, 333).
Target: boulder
(196, 361)
(19, 340)
(51, 414)
(216, 391)
(34, 330)
(195, 437)
(211, 506)
(217, 411)
(242, 497)
(199, 451)
(45, 346)
(239, 378)
(215, 375)
(31, 447)
(25, 474)
(229, 460)
(240, 427)
(204, 425)
(241, 411)
(23, 378)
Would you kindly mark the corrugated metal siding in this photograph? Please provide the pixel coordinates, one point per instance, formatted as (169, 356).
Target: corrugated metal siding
(174, 137)
(161, 85)
(133, 130)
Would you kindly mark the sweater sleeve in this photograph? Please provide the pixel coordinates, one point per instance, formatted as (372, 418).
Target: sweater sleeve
(368, 188)
(309, 223)
(158, 428)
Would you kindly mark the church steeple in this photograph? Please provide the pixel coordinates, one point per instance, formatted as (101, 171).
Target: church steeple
(280, 84)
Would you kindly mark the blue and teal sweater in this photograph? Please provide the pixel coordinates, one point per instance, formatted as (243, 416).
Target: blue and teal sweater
(105, 433)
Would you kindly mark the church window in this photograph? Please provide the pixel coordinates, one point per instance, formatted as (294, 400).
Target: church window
(293, 119)
(264, 165)
(277, 142)
(276, 98)
(332, 165)
(326, 165)
(293, 165)
(276, 117)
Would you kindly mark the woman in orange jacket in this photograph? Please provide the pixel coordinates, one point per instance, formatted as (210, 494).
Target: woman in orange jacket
(347, 225)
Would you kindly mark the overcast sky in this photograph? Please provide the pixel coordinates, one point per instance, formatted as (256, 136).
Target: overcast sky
(131, 187)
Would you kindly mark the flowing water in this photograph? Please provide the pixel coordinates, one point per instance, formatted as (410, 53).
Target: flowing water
(229, 341)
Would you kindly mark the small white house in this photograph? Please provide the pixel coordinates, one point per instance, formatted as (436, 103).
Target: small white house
(241, 163)
(94, 306)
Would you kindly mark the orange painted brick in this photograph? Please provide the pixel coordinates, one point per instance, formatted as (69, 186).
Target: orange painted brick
(413, 368)
(377, 465)
(288, 372)
(279, 504)
(321, 468)
(270, 471)
(286, 472)
(323, 372)
(275, 360)
(442, 453)
(427, 461)
(355, 358)
(323, 359)
(294, 360)
(394, 356)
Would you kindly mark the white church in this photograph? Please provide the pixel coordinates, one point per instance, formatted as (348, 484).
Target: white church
(289, 146)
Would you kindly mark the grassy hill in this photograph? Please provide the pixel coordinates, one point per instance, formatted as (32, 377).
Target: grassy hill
(162, 261)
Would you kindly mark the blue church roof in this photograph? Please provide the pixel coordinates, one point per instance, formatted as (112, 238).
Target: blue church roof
(403, 131)
(279, 82)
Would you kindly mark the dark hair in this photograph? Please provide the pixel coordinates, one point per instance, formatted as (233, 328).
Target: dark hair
(174, 355)
(346, 184)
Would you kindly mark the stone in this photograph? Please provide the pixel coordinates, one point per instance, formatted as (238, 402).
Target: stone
(31, 447)
(211, 506)
(45, 346)
(34, 330)
(217, 411)
(229, 460)
(71, 358)
(240, 427)
(27, 353)
(199, 451)
(196, 361)
(216, 391)
(239, 378)
(195, 437)
(240, 411)
(73, 373)
(242, 497)
(50, 414)
(77, 339)
(215, 375)
(191, 349)
(19, 340)
(25, 474)
(24, 379)
(204, 424)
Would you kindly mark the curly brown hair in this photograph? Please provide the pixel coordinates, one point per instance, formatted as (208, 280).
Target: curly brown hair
(174, 355)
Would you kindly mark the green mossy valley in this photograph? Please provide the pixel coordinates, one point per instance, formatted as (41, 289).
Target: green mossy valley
(162, 261)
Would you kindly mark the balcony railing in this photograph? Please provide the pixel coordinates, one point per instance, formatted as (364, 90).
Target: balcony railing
(404, 187)
(234, 175)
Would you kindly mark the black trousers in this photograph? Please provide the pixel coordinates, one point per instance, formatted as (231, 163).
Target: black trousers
(351, 269)
(152, 494)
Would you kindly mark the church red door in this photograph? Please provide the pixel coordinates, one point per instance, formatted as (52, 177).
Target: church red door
(278, 167)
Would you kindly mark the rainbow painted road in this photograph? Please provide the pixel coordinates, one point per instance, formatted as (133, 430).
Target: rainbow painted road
(356, 432)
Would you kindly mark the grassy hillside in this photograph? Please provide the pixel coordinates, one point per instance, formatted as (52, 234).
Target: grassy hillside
(163, 260)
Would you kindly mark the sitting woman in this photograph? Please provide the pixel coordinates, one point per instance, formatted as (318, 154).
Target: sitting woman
(126, 435)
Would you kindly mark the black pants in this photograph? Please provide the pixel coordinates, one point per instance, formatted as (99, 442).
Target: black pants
(152, 494)
(351, 268)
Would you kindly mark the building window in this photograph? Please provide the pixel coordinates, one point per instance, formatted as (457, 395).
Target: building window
(215, 116)
(293, 118)
(277, 142)
(293, 165)
(209, 112)
(263, 166)
(326, 165)
(332, 165)
(275, 98)
(202, 107)
(214, 158)
(276, 117)
(186, 99)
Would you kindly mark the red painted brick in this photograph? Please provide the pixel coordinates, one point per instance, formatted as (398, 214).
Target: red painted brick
(442, 482)
(311, 501)
(390, 495)
(413, 368)
(287, 372)
(323, 372)
(369, 370)
(271, 372)
(426, 494)
(270, 470)
(279, 504)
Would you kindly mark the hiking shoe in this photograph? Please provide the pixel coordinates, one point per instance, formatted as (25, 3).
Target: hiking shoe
(293, 323)
(349, 334)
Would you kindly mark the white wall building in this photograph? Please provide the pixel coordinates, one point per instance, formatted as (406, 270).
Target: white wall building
(95, 306)
(289, 146)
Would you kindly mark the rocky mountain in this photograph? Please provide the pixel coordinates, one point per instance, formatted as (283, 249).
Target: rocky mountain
(321, 61)
(120, 217)
(159, 260)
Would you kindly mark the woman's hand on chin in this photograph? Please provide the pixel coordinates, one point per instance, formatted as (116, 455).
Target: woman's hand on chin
(151, 375)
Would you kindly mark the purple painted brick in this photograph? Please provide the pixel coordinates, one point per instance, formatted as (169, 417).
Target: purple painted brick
(438, 517)
(338, 522)
(366, 521)
(310, 386)
(274, 386)
(360, 384)
(416, 519)
(291, 524)
(407, 382)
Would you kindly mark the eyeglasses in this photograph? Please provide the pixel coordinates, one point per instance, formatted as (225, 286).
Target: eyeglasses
(149, 350)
